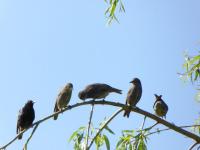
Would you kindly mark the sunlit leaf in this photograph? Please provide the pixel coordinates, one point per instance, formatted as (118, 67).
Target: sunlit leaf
(75, 133)
(107, 142)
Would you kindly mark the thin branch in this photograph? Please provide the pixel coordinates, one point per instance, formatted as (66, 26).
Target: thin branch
(25, 146)
(144, 122)
(193, 145)
(104, 125)
(166, 129)
(116, 104)
(149, 128)
(88, 129)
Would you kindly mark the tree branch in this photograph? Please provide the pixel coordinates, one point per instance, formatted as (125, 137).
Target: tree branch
(166, 129)
(88, 129)
(116, 104)
(104, 125)
(193, 145)
(25, 145)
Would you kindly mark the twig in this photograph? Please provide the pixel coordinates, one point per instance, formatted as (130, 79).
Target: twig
(88, 129)
(143, 122)
(166, 129)
(135, 109)
(193, 145)
(104, 125)
(149, 128)
(25, 145)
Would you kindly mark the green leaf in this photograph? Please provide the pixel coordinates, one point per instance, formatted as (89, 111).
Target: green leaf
(107, 142)
(113, 7)
(75, 133)
(119, 143)
(194, 59)
(109, 130)
(142, 145)
(122, 6)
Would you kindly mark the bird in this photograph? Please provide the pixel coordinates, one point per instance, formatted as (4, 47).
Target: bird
(97, 91)
(160, 107)
(26, 117)
(133, 96)
(63, 98)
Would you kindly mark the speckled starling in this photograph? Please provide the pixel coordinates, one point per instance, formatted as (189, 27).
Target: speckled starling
(63, 98)
(133, 96)
(25, 117)
(160, 107)
(97, 91)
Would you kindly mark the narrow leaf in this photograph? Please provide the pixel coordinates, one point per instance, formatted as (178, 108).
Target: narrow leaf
(107, 142)
(109, 130)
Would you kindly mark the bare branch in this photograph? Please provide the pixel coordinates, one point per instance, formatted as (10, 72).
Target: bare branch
(193, 145)
(25, 145)
(88, 129)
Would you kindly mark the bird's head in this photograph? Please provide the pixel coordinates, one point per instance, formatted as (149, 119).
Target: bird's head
(69, 85)
(158, 97)
(135, 81)
(30, 103)
(82, 95)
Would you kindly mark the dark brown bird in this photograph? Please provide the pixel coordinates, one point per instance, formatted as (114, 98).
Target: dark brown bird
(160, 107)
(63, 98)
(25, 117)
(133, 96)
(97, 91)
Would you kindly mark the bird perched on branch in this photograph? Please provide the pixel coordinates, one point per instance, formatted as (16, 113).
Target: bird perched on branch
(160, 107)
(133, 96)
(25, 117)
(97, 91)
(63, 98)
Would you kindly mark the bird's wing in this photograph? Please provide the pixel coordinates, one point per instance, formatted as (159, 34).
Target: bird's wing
(18, 120)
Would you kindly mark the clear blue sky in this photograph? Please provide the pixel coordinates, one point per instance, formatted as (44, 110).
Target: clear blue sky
(45, 44)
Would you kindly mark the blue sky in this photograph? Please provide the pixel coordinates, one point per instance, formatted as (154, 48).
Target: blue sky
(45, 44)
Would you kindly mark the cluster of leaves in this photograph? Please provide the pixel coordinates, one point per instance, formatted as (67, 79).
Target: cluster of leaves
(110, 11)
(130, 141)
(196, 129)
(79, 138)
(192, 70)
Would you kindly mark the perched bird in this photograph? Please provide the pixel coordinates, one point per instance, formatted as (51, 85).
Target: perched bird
(25, 117)
(97, 91)
(133, 96)
(63, 98)
(160, 107)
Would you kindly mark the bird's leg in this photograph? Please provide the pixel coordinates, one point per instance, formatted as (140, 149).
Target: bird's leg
(93, 101)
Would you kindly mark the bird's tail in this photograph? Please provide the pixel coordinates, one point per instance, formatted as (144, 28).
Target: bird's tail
(116, 90)
(55, 117)
(127, 113)
(20, 137)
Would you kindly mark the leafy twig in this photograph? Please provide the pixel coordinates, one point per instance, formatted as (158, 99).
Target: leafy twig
(104, 125)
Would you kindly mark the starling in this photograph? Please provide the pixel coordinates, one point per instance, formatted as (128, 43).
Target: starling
(133, 96)
(160, 107)
(25, 117)
(97, 91)
(63, 98)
